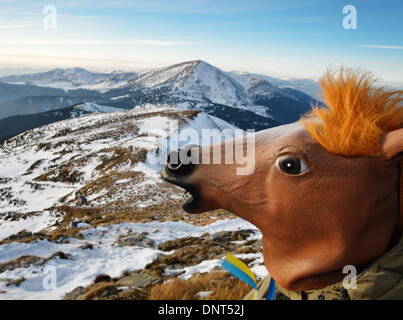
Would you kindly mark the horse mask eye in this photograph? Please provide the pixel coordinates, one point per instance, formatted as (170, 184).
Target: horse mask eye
(291, 165)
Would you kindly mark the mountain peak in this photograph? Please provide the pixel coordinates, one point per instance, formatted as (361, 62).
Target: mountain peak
(76, 70)
(194, 64)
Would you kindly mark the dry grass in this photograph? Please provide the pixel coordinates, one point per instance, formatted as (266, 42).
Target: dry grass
(15, 282)
(229, 289)
(24, 237)
(102, 278)
(51, 146)
(117, 156)
(22, 262)
(27, 261)
(131, 294)
(222, 285)
(107, 182)
(112, 159)
(100, 290)
(65, 173)
(180, 116)
(190, 251)
(35, 165)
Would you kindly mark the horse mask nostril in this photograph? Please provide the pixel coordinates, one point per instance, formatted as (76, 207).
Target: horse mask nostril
(183, 159)
(173, 161)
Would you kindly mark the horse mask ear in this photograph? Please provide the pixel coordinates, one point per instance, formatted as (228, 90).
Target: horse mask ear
(392, 145)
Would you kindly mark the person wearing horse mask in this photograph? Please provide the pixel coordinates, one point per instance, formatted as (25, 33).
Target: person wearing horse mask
(325, 192)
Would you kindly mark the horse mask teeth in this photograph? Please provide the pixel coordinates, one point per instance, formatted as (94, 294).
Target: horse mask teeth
(189, 196)
(187, 199)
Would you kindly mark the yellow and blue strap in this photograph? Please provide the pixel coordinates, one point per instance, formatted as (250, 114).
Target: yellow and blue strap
(272, 290)
(242, 272)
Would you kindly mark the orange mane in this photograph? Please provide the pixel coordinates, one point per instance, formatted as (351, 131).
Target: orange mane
(359, 114)
(357, 117)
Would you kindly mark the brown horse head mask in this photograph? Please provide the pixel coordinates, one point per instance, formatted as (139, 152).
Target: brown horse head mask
(325, 191)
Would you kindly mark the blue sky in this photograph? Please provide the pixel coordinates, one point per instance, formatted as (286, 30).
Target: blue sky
(289, 38)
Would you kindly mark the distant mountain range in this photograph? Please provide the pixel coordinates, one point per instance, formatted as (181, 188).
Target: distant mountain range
(14, 125)
(71, 78)
(248, 101)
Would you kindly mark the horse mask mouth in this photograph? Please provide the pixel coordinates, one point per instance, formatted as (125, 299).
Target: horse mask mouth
(177, 172)
(190, 195)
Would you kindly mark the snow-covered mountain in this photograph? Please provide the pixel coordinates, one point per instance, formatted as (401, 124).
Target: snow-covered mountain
(199, 85)
(180, 76)
(71, 78)
(92, 108)
(307, 86)
(278, 98)
(248, 101)
(83, 197)
(116, 80)
(195, 80)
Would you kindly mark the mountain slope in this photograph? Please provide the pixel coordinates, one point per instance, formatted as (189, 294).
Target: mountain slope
(84, 196)
(87, 137)
(12, 126)
(307, 86)
(36, 104)
(17, 99)
(12, 91)
(240, 118)
(115, 81)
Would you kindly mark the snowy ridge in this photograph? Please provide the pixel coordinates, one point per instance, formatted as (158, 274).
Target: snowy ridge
(115, 81)
(66, 79)
(307, 86)
(93, 108)
(173, 76)
(208, 82)
(198, 81)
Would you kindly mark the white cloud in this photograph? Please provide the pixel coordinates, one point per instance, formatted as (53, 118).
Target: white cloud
(379, 46)
(14, 26)
(40, 14)
(85, 42)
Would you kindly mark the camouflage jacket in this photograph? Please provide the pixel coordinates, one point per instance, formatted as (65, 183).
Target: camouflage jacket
(383, 279)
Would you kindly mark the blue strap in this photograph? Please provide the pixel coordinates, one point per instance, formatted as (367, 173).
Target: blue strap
(239, 274)
(242, 275)
(272, 290)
